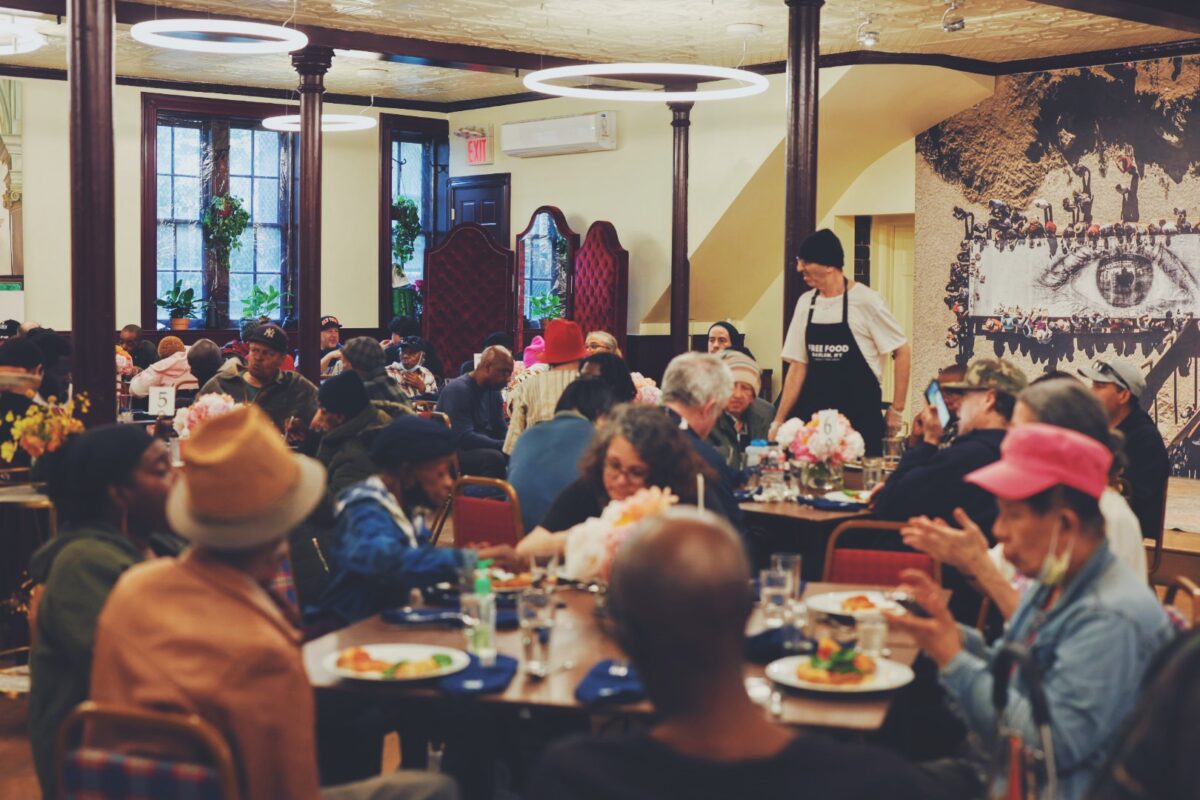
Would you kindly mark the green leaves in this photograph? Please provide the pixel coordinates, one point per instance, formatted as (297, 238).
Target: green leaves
(261, 302)
(180, 303)
(545, 306)
(406, 227)
(223, 222)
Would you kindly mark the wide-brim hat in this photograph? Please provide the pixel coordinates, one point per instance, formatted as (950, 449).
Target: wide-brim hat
(564, 342)
(241, 486)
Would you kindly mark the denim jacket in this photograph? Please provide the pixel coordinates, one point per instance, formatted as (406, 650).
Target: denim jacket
(1092, 648)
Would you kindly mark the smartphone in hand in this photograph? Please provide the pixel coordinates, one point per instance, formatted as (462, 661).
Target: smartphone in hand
(933, 395)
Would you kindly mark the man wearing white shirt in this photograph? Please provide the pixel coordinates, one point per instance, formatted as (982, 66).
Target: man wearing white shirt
(836, 347)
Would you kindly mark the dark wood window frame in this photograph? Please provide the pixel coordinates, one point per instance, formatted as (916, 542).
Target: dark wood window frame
(152, 104)
(392, 126)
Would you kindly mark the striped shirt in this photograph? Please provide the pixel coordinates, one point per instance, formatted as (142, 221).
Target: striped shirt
(533, 401)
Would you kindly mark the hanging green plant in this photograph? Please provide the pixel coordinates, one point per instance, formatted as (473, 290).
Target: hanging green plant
(406, 227)
(223, 222)
(545, 306)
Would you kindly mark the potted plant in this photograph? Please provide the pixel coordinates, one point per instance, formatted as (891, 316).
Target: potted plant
(223, 223)
(261, 303)
(544, 307)
(406, 227)
(181, 305)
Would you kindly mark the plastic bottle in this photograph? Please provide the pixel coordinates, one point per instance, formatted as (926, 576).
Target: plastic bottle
(480, 606)
(755, 452)
(774, 472)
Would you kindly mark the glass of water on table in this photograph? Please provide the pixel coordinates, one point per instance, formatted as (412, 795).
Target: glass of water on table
(775, 592)
(535, 614)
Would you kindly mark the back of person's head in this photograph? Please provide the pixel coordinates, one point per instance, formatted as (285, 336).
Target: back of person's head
(1066, 403)
(204, 359)
(695, 379)
(83, 470)
(590, 397)
(683, 626)
(344, 394)
(21, 353)
(404, 326)
(614, 371)
(56, 354)
(169, 346)
(500, 338)
(136, 330)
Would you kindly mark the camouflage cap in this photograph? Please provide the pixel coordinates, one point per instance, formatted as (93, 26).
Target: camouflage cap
(990, 373)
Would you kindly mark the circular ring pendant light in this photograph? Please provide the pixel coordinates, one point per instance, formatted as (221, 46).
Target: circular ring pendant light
(752, 82)
(17, 38)
(218, 36)
(330, 123)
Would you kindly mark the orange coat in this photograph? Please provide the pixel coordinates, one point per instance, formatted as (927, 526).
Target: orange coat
(197, 636)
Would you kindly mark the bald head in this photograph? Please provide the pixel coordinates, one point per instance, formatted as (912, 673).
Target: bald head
(495, 368)
(680, 597)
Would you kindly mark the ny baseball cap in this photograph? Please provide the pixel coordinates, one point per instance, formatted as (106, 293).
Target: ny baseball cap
(1037, 457)
(329, 322)
(1125, 374)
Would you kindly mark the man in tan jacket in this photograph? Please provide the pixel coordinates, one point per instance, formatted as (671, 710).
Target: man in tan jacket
(202, 635)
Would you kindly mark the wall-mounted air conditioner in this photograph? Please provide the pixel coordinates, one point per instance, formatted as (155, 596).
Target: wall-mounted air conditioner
(585, 133)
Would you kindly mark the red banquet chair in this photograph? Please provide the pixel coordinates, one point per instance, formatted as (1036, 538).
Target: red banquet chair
(486, 519)
(873, 567)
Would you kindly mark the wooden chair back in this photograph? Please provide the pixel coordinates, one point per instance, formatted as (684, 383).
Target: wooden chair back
(486, 519)
(1181, 583)
(883, 567)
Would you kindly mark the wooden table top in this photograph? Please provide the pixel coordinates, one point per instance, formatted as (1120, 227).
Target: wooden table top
(24, 495)
(808, 513)
(577, 644)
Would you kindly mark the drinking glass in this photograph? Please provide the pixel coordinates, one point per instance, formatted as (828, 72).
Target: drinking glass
(790, 563)
(124, 406)
(893, 449)
(872, 473)
(775, 590)
(535, 613)
(795, 628)
(872, 635)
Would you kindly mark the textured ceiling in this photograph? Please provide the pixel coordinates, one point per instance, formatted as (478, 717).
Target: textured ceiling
(685, 31)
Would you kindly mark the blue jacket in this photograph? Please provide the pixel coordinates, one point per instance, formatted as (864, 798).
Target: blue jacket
(545, 460)
(377, 556)
(1092, 648)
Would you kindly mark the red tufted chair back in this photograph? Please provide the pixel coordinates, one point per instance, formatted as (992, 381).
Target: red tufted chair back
(470, 291)
(600, 293)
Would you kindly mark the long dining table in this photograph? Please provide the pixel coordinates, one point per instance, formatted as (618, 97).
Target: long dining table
(578, 642)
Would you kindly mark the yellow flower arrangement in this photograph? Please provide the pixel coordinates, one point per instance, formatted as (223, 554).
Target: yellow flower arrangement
(43, 429)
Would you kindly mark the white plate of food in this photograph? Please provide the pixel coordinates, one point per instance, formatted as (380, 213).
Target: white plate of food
(839, 671)
(396, 662)
(852, 604)
(849, 496)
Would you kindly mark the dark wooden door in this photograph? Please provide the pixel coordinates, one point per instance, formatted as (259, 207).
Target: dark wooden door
(482, 199)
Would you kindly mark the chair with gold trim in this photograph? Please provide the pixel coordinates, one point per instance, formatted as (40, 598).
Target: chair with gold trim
(871, 566)
(488, 519)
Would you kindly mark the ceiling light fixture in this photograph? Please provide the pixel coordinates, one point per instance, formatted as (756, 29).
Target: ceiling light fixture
(752, 82)
(330, 123)
(218, 36)
(17, 37)
(952, 20)
(867, 36)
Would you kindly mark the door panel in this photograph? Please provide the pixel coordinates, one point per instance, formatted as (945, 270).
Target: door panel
(482, 199)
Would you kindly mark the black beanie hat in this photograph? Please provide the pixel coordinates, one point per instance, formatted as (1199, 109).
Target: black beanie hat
(343, 394)
(824, 248)
(82, 471)
(410, 439)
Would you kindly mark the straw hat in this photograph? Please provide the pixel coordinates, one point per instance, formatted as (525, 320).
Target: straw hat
(241, 487)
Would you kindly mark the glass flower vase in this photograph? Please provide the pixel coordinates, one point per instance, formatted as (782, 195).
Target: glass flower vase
(823, 477)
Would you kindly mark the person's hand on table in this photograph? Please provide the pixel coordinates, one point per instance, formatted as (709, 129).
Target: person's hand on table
(937, 634)
(502, 556)
(894, 420)
(541, 543)
(961, 548)
(931, 426)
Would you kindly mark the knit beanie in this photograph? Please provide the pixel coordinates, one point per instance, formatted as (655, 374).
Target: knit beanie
(823, 248)
(343, 394)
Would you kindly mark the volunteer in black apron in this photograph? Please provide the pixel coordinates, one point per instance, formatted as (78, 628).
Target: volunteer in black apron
(829, 362)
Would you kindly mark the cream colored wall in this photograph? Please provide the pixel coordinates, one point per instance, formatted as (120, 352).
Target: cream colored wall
(350, 192)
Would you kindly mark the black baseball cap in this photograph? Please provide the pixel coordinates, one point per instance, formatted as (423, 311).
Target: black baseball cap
(270, 335)
(413, 343)
(330, 321)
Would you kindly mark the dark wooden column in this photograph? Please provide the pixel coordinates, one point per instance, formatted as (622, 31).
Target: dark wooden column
(93, 254)
(681, 120)
(312, 63)
(800, 193)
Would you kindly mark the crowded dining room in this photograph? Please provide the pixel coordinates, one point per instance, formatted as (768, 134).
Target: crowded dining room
(622, 399)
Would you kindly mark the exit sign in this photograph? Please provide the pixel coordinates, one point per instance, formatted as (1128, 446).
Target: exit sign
(479, 151)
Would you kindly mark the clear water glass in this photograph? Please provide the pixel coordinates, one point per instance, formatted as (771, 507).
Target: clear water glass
(124, 406)
(790, 563)
(774, 590)
(893, 450)
(535, 614)
(872, 473)
(795, 628)
(872, 635)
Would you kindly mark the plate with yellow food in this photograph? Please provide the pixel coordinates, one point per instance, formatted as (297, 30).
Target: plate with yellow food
(838, 669)
(504, 581)
(396, 662)
(852, 604)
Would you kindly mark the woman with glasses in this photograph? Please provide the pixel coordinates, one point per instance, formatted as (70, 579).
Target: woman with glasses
(638, 448)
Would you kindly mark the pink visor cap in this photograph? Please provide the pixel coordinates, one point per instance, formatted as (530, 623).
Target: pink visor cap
(1038, 457)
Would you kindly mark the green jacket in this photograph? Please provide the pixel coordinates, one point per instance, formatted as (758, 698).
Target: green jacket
(756, 424)
(289, 395)
(79, 568)
(346, 450)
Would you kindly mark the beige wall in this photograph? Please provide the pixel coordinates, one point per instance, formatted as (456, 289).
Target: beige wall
(350, 193)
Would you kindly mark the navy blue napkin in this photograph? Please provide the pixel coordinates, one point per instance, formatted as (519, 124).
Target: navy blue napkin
(506, 618)
(767, 646)
(478, 679)
(826, 504)
(600, 686)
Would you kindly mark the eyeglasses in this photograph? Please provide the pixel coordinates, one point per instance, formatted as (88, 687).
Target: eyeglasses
(1104, 368)
(631, 474)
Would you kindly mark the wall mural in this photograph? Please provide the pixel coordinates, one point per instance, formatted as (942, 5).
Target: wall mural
(1066, 210)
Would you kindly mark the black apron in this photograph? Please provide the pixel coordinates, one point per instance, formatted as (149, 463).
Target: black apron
(839, 377)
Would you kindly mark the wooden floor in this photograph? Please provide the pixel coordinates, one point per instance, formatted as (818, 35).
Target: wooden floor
(17, 780)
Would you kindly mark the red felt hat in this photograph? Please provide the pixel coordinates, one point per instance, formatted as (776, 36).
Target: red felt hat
(564, 342)
(1034, 458)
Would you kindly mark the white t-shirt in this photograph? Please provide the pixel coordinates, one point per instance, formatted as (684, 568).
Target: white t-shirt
(876, 331)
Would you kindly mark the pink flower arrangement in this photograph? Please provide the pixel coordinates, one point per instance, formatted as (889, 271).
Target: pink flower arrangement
(827, 438)
(648, 392)
(592, 545)
(206, 406)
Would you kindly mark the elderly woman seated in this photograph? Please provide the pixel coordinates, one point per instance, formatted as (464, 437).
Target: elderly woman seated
(602, 342)
(639, 447)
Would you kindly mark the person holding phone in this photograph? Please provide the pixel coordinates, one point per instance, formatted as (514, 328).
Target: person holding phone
(951, 399)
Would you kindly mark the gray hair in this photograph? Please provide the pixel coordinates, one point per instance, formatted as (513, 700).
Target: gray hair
(694, 379)
(1067, 403)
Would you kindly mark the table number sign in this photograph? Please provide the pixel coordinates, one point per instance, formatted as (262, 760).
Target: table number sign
(162, 401)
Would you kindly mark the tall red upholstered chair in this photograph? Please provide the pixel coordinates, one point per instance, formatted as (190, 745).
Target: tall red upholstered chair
(470, 291)
(600, 290)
